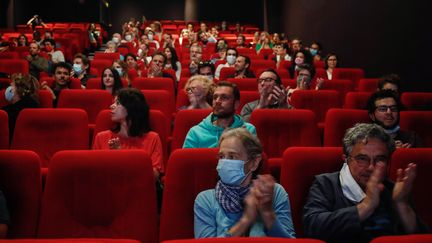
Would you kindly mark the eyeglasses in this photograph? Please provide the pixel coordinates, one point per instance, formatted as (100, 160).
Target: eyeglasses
(385, 108)
(365, 161)
(266, 80)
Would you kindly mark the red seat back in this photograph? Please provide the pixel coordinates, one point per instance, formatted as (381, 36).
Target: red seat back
(4, 130)
(20, 182)
(189, 171)
(100, 194)
(354, 74)
(368, 84)
(11, 66)
(417, 100)
(338, 120)
(245, 84)
(420, 122)
(426, 238)
(299, 167)
(356, 100)
(48, 130)
(161, 100)
(226, 72)
(317, 101)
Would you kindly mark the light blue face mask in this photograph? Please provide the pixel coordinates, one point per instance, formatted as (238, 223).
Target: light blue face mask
(231, 171)
(313, 52)
(77, 68)
(9, 94)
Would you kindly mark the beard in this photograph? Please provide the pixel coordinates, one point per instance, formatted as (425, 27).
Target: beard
(225, 114)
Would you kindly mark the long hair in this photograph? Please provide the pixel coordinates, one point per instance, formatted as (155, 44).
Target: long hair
(118, 84)
(138, 112)
(174, 58)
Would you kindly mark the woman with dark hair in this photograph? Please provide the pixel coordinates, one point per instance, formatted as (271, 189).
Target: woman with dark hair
(21, 94)
(300, 57)
(133, 69)
(330, 63)
(22, 40)
(172, 61)
(243, 203)
(111, 81)
(130, 112)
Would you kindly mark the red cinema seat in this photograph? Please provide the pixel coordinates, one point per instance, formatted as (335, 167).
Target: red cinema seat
(417, 100)
(354, 74)
(343, 86)
(279, 129)
(100, 65)
(104, 122)
(423, 158)
(299, 167)
(45, 99)
(246, 97)
(418, 121)
(337, 121)
(317, 101)
(182, 99)
(245, 240)
(356, 100)
(368, 84)
(226, 72)
(48, 130)
(109, 56)
(161, 100)
(74, 82)
(100, 194)
(189, 172)
(265, 53)
(96, 83)
(4, 130)
(184, 120)
(20, 182)
(11, 66)
(262, 64)
(426, 238)
(245, 84)
(70, 240)
(155, 84)
(9, 55)
(92, 101)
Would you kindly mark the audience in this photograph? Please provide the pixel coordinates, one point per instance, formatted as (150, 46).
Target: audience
(22, 93)
(62, 80)
(358, 203)
(130, 112)
(206, 134)
(80, 68)
(207, 69)
(391, 82)
(330, 63)
(383, 108)
(37, 63)
(241, 67)
(55, 56)
(199, 89)
(231, 56)
(111, 81)
(172, 61)
(243, 203)
(273, 94)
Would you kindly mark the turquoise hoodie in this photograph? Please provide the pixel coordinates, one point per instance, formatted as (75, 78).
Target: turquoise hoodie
(206, 134)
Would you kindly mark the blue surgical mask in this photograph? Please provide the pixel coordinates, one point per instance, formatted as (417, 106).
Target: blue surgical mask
(77, 68)
(231, 171)
(231, 59)
(9, 94)
(313, 52)
(120, 71)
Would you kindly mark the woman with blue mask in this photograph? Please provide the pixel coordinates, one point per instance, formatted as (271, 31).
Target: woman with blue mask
(21, 94)
(243, 203)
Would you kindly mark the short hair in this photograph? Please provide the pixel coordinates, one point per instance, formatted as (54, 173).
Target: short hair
(160, 53)
(118, 84)
(242, 36)
(138, 111)
(233, 86)
(61, 65)
(26, 85)
(308, 67)
(233, 49)
(50, 41)
(382, 94)
(129, 55)
(203, 64)
(362, 132)
(195, 45)
(278, 78)
(391, 79)
(84, 59)
(208, 85)
(247, 60)
(249, 141)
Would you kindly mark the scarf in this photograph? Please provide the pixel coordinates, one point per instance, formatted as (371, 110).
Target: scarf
(231, 197)
(350, 188)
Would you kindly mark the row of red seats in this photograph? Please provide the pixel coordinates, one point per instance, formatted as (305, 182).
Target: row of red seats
(111, 193)
(47, 131)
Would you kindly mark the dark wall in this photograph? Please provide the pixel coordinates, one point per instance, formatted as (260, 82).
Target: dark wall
(380, 36)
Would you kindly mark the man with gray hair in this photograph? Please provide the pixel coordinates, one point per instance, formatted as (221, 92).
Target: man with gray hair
(357, 203)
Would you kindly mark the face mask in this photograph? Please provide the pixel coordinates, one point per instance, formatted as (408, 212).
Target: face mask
(298, 60)
(313, 52)
(120, 71)
(210, 77)
(231, 171)
(150, 37)
(77, 68)
(140, 52)
(128, 37)
(9, 94)
(231, 60)
(115, 40)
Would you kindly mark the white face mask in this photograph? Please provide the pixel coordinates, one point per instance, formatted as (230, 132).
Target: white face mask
(115, 40)
(231, 59)
(150, 37)
(128, 37)
(140, 52)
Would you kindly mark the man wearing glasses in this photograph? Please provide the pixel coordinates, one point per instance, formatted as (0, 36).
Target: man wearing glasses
(273, 95)
(383, 108)
(357, 203)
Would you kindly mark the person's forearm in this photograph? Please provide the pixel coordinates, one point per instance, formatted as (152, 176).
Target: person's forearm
(407, 216)
(268, 219)
(240, 227)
